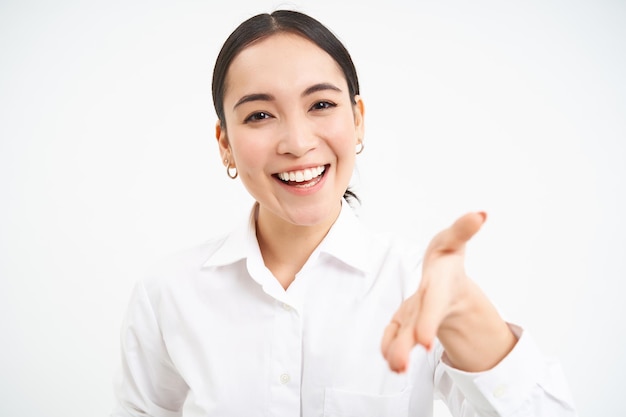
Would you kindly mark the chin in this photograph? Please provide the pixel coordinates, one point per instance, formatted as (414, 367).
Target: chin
(314, 215)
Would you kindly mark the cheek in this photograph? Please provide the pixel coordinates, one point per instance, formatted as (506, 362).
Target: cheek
(342, 135)
(250, 150)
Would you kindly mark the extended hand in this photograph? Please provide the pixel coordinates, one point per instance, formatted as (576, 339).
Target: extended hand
(423, 315)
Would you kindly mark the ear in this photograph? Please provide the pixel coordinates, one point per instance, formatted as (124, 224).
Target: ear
(359, 117)
(222, 142)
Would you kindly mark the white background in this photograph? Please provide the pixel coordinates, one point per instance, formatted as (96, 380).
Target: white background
(108, 161)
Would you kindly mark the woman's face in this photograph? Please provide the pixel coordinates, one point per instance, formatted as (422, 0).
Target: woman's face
(292, 129)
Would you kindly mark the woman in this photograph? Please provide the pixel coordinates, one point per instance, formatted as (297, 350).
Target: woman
(302, 311)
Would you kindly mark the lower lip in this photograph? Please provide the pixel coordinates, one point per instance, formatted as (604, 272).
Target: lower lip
(307, 189)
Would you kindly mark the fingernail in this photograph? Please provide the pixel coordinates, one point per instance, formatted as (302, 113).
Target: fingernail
(483, 215)
(400, 370)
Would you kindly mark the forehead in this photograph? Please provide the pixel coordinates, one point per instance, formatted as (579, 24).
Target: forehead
(282, 60)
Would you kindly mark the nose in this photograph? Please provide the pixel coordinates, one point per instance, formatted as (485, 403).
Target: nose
(297, 137)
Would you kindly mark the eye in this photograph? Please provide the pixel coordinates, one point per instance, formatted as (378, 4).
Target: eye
(322, 105)
(257, 116)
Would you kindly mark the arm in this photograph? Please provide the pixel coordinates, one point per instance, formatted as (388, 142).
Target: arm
(148, 383)
(450, 306)
(524, 383)
(480, 352)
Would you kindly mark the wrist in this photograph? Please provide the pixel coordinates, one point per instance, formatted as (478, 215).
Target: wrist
(473, 334)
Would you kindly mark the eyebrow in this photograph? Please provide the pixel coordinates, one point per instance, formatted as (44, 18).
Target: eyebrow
(253, 97)
(268, 97)
(320, 87)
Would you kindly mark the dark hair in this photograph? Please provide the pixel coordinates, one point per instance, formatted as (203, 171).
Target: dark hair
(264, 25)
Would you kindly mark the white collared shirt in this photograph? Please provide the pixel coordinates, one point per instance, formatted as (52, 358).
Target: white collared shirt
(213, 333)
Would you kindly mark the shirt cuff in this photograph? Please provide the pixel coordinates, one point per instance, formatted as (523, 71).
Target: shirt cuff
(504, 388)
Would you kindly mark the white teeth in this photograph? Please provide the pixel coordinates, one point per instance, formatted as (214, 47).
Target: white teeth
(302, 175)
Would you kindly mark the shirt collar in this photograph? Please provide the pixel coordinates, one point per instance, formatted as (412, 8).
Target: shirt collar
(347, 241)
(238, 244)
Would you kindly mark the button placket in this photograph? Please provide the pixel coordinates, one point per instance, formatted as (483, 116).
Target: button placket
(284, 378)
(286, 360)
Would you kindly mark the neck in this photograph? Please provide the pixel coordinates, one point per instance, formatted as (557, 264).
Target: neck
(285, 246)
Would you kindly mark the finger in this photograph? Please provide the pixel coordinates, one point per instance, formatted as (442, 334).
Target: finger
(434, 309)
(399, 336)
(456, 236)
(403, 315)
(391, 331)
(400, 349)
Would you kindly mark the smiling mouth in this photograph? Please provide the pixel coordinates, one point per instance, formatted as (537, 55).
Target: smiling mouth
(302, 178)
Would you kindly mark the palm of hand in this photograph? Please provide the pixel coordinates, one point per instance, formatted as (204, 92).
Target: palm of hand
(424, 315)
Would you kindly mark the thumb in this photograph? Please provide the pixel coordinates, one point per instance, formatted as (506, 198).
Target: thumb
(456, 236)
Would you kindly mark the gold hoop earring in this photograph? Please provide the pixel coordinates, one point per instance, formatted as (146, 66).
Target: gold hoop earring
(361, 148)
(229, 168)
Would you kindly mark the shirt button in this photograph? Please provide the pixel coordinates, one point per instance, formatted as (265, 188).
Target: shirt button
(284, 378)
(499, 391)
(286, 306)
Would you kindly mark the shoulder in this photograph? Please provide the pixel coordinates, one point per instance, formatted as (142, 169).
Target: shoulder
(352, 230)
(389, 259)
(396, 251)
(399, 247)
(180, 266)
(383, 245)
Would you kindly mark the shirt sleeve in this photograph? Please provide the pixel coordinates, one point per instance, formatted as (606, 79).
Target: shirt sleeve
(147, 383)
(523, 384)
